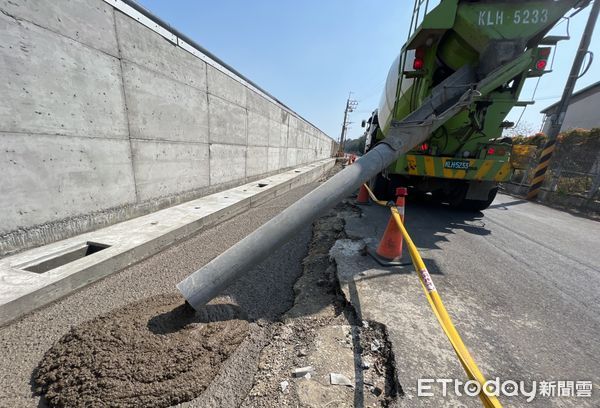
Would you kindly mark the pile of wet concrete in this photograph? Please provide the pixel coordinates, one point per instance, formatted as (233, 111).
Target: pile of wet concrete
(156, 352)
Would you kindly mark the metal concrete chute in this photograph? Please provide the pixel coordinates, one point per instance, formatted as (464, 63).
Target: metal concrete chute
(446, 100)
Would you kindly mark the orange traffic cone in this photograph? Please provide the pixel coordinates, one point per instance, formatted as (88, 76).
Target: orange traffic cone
(363, 195)
(389, 250)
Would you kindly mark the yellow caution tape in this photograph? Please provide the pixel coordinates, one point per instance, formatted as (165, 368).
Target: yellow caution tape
(435, 301)
(373, 198)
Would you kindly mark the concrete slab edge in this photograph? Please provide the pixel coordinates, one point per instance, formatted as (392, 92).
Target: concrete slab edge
(22, 291)
(347, 286)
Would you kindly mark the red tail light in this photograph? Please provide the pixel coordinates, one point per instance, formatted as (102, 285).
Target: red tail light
(424, 147)
(540, 65)
(544, 52)
(496, 151)
(542, 58)
(419, 61)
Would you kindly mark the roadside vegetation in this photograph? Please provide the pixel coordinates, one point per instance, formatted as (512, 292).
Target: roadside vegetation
(574, 168)
(355, 146)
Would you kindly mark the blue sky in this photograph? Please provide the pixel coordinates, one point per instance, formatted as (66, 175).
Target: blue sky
(310, 54)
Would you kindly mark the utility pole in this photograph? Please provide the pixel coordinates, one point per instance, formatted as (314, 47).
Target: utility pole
(350, 106)
(557, 119)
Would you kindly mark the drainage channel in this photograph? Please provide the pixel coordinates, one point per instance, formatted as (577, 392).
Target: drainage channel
(61, 258)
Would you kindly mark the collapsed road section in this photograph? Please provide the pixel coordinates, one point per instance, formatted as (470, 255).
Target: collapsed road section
(128, 340)
(159, 352)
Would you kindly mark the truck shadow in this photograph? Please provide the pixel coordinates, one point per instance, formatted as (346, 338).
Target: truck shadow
(431, 224)
(503, 206)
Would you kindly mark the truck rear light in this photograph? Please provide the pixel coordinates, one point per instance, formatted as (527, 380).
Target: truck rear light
(496, 151)
(542, 58)
(540, 65)
(419, 61)
(424, 147)
(544, 52)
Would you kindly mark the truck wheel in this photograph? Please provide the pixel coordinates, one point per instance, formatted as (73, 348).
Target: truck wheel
(480, 205)
(456, 196)
(381, 187)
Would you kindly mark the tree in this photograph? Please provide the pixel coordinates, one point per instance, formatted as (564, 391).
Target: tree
(522, 128)
(356, 146)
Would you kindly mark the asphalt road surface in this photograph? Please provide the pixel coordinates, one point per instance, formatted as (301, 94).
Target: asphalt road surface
(522, 282)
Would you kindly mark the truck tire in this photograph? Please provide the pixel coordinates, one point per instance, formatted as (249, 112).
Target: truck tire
(381, 187)
(479, 205)
(455, 196)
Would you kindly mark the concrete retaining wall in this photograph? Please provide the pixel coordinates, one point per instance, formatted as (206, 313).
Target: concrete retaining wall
(572, 203)
(102, 119)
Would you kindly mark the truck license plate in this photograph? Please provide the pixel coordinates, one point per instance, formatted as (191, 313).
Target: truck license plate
(457, 164)
(518, 17)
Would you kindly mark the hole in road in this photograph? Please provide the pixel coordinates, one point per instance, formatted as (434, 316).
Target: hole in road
(82, 251)
(262, 184)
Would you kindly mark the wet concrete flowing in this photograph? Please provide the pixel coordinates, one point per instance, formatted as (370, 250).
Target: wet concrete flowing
(153, 353)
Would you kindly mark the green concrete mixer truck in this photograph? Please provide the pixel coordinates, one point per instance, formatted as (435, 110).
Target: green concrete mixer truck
(462, 161)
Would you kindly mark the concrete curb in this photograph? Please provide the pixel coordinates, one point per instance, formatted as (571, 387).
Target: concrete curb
(571, 203)
(22, 291)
